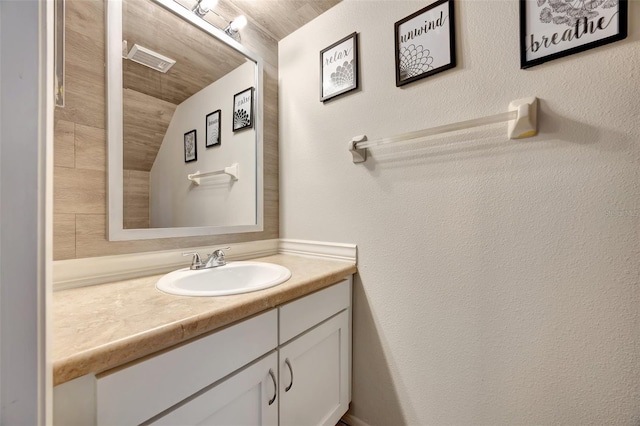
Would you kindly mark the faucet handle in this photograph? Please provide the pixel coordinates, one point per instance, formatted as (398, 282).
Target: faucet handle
(219, 251)
(196, 262)
(216, 258)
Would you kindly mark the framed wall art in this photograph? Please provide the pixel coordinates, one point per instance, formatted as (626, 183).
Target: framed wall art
(243, 110)
(552, 29)
(213, 129)
(190, 146)
(339, 68)
(425, 43)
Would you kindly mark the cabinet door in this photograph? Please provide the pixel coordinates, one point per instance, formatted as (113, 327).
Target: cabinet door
(248, 398)
(314, 375)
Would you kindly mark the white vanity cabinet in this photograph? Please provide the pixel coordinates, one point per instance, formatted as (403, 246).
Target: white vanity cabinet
(289, 366)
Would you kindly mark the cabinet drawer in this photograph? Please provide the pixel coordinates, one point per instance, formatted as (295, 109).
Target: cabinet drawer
(140, 391)
(304, 313)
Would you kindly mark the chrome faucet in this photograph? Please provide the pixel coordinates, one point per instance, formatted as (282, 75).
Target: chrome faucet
(215, 259)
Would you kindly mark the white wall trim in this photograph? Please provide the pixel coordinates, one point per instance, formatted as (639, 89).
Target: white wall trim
(333, 251)
(74, 273)
(27, 112)
(352, 420)
(45, 210)
(96, 270)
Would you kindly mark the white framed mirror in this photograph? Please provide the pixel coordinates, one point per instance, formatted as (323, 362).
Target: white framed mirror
(152, 116)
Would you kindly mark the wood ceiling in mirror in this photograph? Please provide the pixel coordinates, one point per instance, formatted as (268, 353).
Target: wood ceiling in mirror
(150, 25)
(150, 97)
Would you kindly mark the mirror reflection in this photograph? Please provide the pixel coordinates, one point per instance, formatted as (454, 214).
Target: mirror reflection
(181, 88)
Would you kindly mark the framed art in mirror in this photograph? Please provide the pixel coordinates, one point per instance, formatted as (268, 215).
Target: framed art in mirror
(190, 146)
(214, 126)
(243, 110)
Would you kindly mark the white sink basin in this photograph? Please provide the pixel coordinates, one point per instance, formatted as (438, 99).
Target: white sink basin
(232, 278)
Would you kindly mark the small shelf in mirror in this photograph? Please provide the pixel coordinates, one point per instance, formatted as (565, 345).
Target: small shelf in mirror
(232, 171)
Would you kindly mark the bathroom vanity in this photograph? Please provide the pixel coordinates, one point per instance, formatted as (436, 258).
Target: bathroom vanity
(275, 356)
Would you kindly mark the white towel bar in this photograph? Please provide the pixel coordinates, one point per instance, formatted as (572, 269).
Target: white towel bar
(522, 117)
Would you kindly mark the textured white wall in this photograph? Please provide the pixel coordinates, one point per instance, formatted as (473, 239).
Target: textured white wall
(218, 201)
(498, 280)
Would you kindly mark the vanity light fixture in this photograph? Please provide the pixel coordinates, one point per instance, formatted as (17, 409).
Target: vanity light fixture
(234, 27)
(202, 7)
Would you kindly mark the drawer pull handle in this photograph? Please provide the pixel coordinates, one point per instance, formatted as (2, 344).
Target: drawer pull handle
(286, 361)
(275, 387)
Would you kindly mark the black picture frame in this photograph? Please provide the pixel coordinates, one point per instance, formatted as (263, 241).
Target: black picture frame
(243, 110)
(420, 50)
(561, 29)
(213, 129)
(190, 146)
(339, 68)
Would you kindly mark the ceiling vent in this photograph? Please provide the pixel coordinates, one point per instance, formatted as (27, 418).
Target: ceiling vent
(149, 58)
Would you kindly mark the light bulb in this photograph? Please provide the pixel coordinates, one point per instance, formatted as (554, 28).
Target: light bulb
(207, 5)
(239, 23)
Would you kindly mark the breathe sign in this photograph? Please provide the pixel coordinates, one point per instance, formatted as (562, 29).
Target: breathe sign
(425, 42)
(551, 29)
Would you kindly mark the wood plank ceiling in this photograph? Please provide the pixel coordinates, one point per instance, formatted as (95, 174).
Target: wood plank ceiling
(280, 18)
(152, 94)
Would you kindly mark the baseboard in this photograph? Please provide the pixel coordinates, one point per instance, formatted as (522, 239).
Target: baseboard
(353, 421)
(317, 249)
(97, 270)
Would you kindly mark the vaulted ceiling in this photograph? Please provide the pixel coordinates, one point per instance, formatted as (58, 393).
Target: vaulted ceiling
(279, 18)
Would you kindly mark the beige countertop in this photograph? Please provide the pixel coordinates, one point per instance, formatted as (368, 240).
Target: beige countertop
(103, 326)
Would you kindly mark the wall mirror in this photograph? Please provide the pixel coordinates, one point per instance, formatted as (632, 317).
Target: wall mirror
(202, 116)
